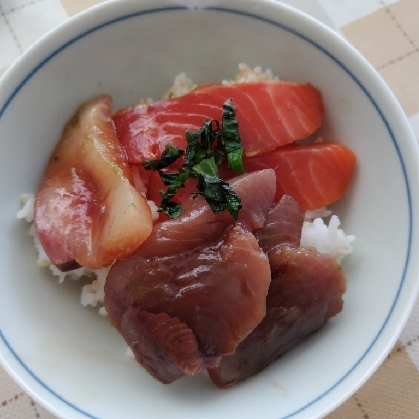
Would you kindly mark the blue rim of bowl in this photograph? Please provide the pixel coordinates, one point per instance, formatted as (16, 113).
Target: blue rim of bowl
(323, 50)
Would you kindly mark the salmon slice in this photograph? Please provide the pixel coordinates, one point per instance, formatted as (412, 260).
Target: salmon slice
(270, 114)
(217, 289)
(315, 175)
(306, 290)
(86, 210)
(198, 223)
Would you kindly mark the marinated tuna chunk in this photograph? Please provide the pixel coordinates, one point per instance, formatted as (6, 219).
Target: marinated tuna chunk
(282, 227)
(163, 345)
(305, 291)
(218, 290)
(198, 223)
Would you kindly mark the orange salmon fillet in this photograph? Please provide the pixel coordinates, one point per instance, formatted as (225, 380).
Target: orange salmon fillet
(270, 114)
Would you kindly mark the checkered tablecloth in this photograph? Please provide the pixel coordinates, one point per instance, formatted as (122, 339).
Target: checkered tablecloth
(386, 32)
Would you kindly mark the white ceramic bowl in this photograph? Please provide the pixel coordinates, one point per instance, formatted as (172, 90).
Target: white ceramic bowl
(69, 358)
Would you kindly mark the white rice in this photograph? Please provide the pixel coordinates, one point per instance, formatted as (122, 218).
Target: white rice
(181, 86)
(27, 201)
(247, 74)
(325, 237)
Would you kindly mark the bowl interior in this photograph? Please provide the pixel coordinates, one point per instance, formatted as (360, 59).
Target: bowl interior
(68, 356)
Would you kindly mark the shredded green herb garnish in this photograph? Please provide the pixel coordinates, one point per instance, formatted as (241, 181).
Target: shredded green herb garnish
(231, 139)
(205, 151)
(170, 154)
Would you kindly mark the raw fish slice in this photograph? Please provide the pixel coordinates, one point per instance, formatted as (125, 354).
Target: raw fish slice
(164, 346)
(315, 175)
(198, 223)
(219, 290)
(305, 292)
(282, 227)
(270, 114)
(86, 210)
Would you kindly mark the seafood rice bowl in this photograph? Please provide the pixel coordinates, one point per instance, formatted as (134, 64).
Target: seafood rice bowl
(230, 242)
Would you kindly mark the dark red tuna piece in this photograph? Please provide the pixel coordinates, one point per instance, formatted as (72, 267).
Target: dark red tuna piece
(218, 290)
(305, 291)
(198, 223)
(163, 345)
(282, 227)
